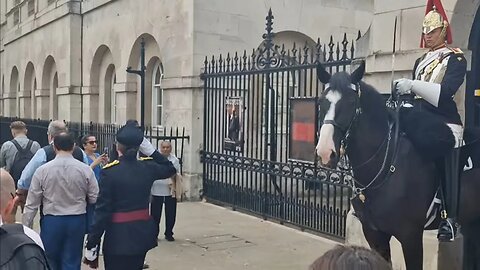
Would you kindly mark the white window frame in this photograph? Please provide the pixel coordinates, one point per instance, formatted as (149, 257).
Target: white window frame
(113, 99)
(156, 90)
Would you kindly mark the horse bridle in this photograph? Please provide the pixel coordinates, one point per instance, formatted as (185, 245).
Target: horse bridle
(358, 110)
(359, 191)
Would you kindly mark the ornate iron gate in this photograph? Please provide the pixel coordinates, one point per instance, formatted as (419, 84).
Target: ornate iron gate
(247, 155)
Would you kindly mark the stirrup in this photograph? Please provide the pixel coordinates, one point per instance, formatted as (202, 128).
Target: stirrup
(452, 232)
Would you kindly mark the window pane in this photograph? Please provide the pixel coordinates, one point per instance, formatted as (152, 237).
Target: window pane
(159, 96)
(159, 115)
(157, 76)
(31, 7)
(16, 17)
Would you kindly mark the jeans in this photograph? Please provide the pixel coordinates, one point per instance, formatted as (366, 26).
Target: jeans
(63, 237)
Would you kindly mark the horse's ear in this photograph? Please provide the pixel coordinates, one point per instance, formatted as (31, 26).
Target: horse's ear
(322, 74)
(357, 75)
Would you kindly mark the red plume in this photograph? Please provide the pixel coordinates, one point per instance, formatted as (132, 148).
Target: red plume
(441, 10)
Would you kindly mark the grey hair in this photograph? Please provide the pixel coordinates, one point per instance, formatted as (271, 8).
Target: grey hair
(166, 142)
(56, 127)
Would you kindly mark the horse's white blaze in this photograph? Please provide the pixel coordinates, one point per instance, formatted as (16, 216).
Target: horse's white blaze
(325, 145)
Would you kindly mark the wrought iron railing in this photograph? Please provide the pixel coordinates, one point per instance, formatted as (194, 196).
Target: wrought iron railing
(104, 133)
(247, 123)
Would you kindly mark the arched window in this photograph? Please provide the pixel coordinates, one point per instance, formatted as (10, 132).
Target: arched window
(113, 101)
(109, 99)
(157, 95)
(2, 90)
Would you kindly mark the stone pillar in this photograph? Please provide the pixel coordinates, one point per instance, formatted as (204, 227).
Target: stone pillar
(69, 103)
(10, 103)
(90, 104)
(42, 97)
(25, 104)
(450, 254)
(183, 107)
(126, 101)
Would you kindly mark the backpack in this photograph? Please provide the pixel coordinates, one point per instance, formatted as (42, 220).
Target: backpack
(18, 251)
(50, 153)
(22, 157)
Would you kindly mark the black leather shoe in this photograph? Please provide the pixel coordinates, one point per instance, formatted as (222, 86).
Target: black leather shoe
(447, 231)
(169, 238)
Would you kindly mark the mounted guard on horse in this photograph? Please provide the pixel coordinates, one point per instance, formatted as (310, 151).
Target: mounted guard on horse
(426, 151)
(437, 76)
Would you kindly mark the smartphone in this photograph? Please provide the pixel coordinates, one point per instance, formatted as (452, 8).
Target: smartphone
(105, 151)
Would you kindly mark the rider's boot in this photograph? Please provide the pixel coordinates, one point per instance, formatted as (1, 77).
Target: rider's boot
(447, 230)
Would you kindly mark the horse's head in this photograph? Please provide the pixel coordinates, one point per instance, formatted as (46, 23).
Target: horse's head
(338, 104)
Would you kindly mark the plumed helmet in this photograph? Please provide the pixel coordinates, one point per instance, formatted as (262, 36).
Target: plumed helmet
(433, 20)
(435, 17)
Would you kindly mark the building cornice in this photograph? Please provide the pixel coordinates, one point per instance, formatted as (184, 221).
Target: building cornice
(42, 19)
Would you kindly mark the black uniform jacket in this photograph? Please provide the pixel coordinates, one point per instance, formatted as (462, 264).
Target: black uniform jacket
(125, 187)
(452, 80)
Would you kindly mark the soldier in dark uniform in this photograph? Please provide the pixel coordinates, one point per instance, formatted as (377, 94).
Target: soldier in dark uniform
(437, 76)
(122, 210)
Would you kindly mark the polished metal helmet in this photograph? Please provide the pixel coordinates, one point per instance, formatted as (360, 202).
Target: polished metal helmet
(434, 20)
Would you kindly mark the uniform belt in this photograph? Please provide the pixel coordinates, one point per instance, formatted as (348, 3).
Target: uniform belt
(137, 215)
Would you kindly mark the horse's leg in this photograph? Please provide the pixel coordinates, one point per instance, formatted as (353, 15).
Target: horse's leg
(378, 241)
(412, 247)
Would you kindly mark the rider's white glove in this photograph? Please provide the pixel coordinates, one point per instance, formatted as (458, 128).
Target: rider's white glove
(403, 86)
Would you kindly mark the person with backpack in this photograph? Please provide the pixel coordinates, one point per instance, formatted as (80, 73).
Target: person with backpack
(15, 154)
(21, 248)
(43, 156)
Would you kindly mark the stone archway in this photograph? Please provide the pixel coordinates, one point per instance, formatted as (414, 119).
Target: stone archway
(47, 101)
(11, 99)
(27, 97)
(153, 92)
(285, 85)
(109, 100)
(101, 97)
(131, 109)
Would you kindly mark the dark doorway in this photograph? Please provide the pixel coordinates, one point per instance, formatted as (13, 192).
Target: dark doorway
(472, 100)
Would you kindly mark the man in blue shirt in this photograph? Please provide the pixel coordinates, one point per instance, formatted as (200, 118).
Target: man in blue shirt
(41, 157)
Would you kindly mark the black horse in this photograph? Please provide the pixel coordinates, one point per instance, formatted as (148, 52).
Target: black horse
(394, 185)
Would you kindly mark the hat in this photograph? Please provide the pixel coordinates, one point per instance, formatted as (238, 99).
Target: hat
(130, 135)
(435, 17)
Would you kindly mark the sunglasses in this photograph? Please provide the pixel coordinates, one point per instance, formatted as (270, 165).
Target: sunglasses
(92, 142)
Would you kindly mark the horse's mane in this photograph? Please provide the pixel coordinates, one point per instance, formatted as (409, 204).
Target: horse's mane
(373, 103)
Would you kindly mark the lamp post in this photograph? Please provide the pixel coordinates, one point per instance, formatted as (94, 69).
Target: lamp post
(141, 73)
